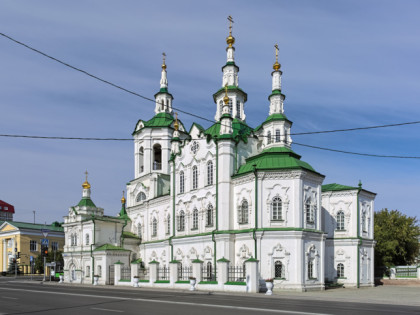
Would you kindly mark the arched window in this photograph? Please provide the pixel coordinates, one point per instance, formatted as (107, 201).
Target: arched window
(340, 220)
(209, 215)
(230, 106)
(243, 212)
(75, 240)
(168, 225)
(195, 219)
(99, 271)
(154, 227)
(141, 160)
(209, 271)
(139, 230)
(141, 196)
(181, 221)
(181, 182)
(276, 209)
(310, 269)
(87, 239)
(71, 240)
(238, 109)
(157, 157)
(340, 270)
(277, 135)
(310, 211)
(278, 270)
(209, 173)
(194, 177)
(268, 137)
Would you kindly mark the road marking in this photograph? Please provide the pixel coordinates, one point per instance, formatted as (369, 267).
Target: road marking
(9, 297)
(242, 308)
(106, 309)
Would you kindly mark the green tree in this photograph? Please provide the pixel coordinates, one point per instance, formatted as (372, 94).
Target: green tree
(397, 238)
(52, 256)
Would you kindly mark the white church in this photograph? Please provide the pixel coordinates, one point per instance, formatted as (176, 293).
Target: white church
(230, 192)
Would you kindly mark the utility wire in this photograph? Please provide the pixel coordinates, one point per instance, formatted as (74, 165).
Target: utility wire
(126, 139)
(180, 110)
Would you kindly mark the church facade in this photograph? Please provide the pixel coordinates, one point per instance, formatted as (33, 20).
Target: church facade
(231, 191)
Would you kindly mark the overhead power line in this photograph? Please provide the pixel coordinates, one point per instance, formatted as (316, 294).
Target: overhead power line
(126, 139)
(178, 109)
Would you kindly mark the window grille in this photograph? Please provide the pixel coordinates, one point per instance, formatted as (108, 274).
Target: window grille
(340, 220)
(310, 269)
(207, 272)
(209, 217)
(277, 135)
(278, 270)
(238, 109)
(168, 225)
(340, 271)
(163, 273)
(154, 227)
(210, 173)
(195, 177)
(195, 219)
(243, 212)
(276, 211)
(181, 182)
(181, 221)
(310, 211)
(126, 273)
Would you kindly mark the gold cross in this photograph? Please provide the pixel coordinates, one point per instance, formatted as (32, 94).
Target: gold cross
(86, 173)
(277, 51)
(164, 57)
(230, 24)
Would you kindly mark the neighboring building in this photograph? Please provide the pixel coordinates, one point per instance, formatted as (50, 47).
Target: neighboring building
(26, 238)
(6, 211)
(230, 191)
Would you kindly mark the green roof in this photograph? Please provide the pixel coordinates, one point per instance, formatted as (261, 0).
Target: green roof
(109, 247)
(164, 91)
(24, 225)
(273, 117)
(127, 234)
(241, 131)
(231, 88)
(276, 92)
(86, 202)
(274, 158)
(337, 187)
(160, 120)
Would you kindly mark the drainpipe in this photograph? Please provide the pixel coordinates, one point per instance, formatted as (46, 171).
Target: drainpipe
(173, 210)
(91, 250)
(217, 203)
(254, 166)
(359, 239)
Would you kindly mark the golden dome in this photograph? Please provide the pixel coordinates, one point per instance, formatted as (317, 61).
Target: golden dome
(163, 66)
(276, 66)
(230, 40)
(123, 199)
(86, 184)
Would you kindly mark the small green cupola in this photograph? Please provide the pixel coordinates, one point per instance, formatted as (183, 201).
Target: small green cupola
(123, 211)
(86, 201)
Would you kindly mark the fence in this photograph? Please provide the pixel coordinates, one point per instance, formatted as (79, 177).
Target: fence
(144, 273)
(126, 273)
(163, 273)
(184, 273)
(208, 273)
(406, 272)
(236, 274)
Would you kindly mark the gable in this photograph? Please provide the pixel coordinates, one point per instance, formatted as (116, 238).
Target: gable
(6, 227)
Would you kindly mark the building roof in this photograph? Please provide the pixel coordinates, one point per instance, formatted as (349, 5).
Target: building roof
(274, 158)
(9, 207)
(86, 202)
(273, 117)
(337, 187)
(31, 226)
(160, 120)
(241, 131)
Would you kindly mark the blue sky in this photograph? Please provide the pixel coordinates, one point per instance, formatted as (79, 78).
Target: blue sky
(345, 64)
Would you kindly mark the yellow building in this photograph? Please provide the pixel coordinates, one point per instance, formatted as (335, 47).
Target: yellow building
(25, 238)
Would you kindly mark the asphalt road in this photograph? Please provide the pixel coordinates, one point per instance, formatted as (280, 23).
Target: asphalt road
(36, 298)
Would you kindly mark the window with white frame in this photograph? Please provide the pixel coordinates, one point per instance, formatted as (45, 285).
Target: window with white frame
(238, 109)
(154, 227)
(269, 137)
(243, 212)
(364, 225)
(278, 270)
(33, 246)
(209, 216)
(168, 224)
(195, 219)
(340, 270)
(87, 271)
(209, 173)
(87, 239)
(141, 196)
(181, 182)
(194, 177)
(139, 230)
(276, 209)
(141, 160)
(340, 220)
(181, 221)
(54, 246)
(277, 135)
(99, 270)
(230, 106)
